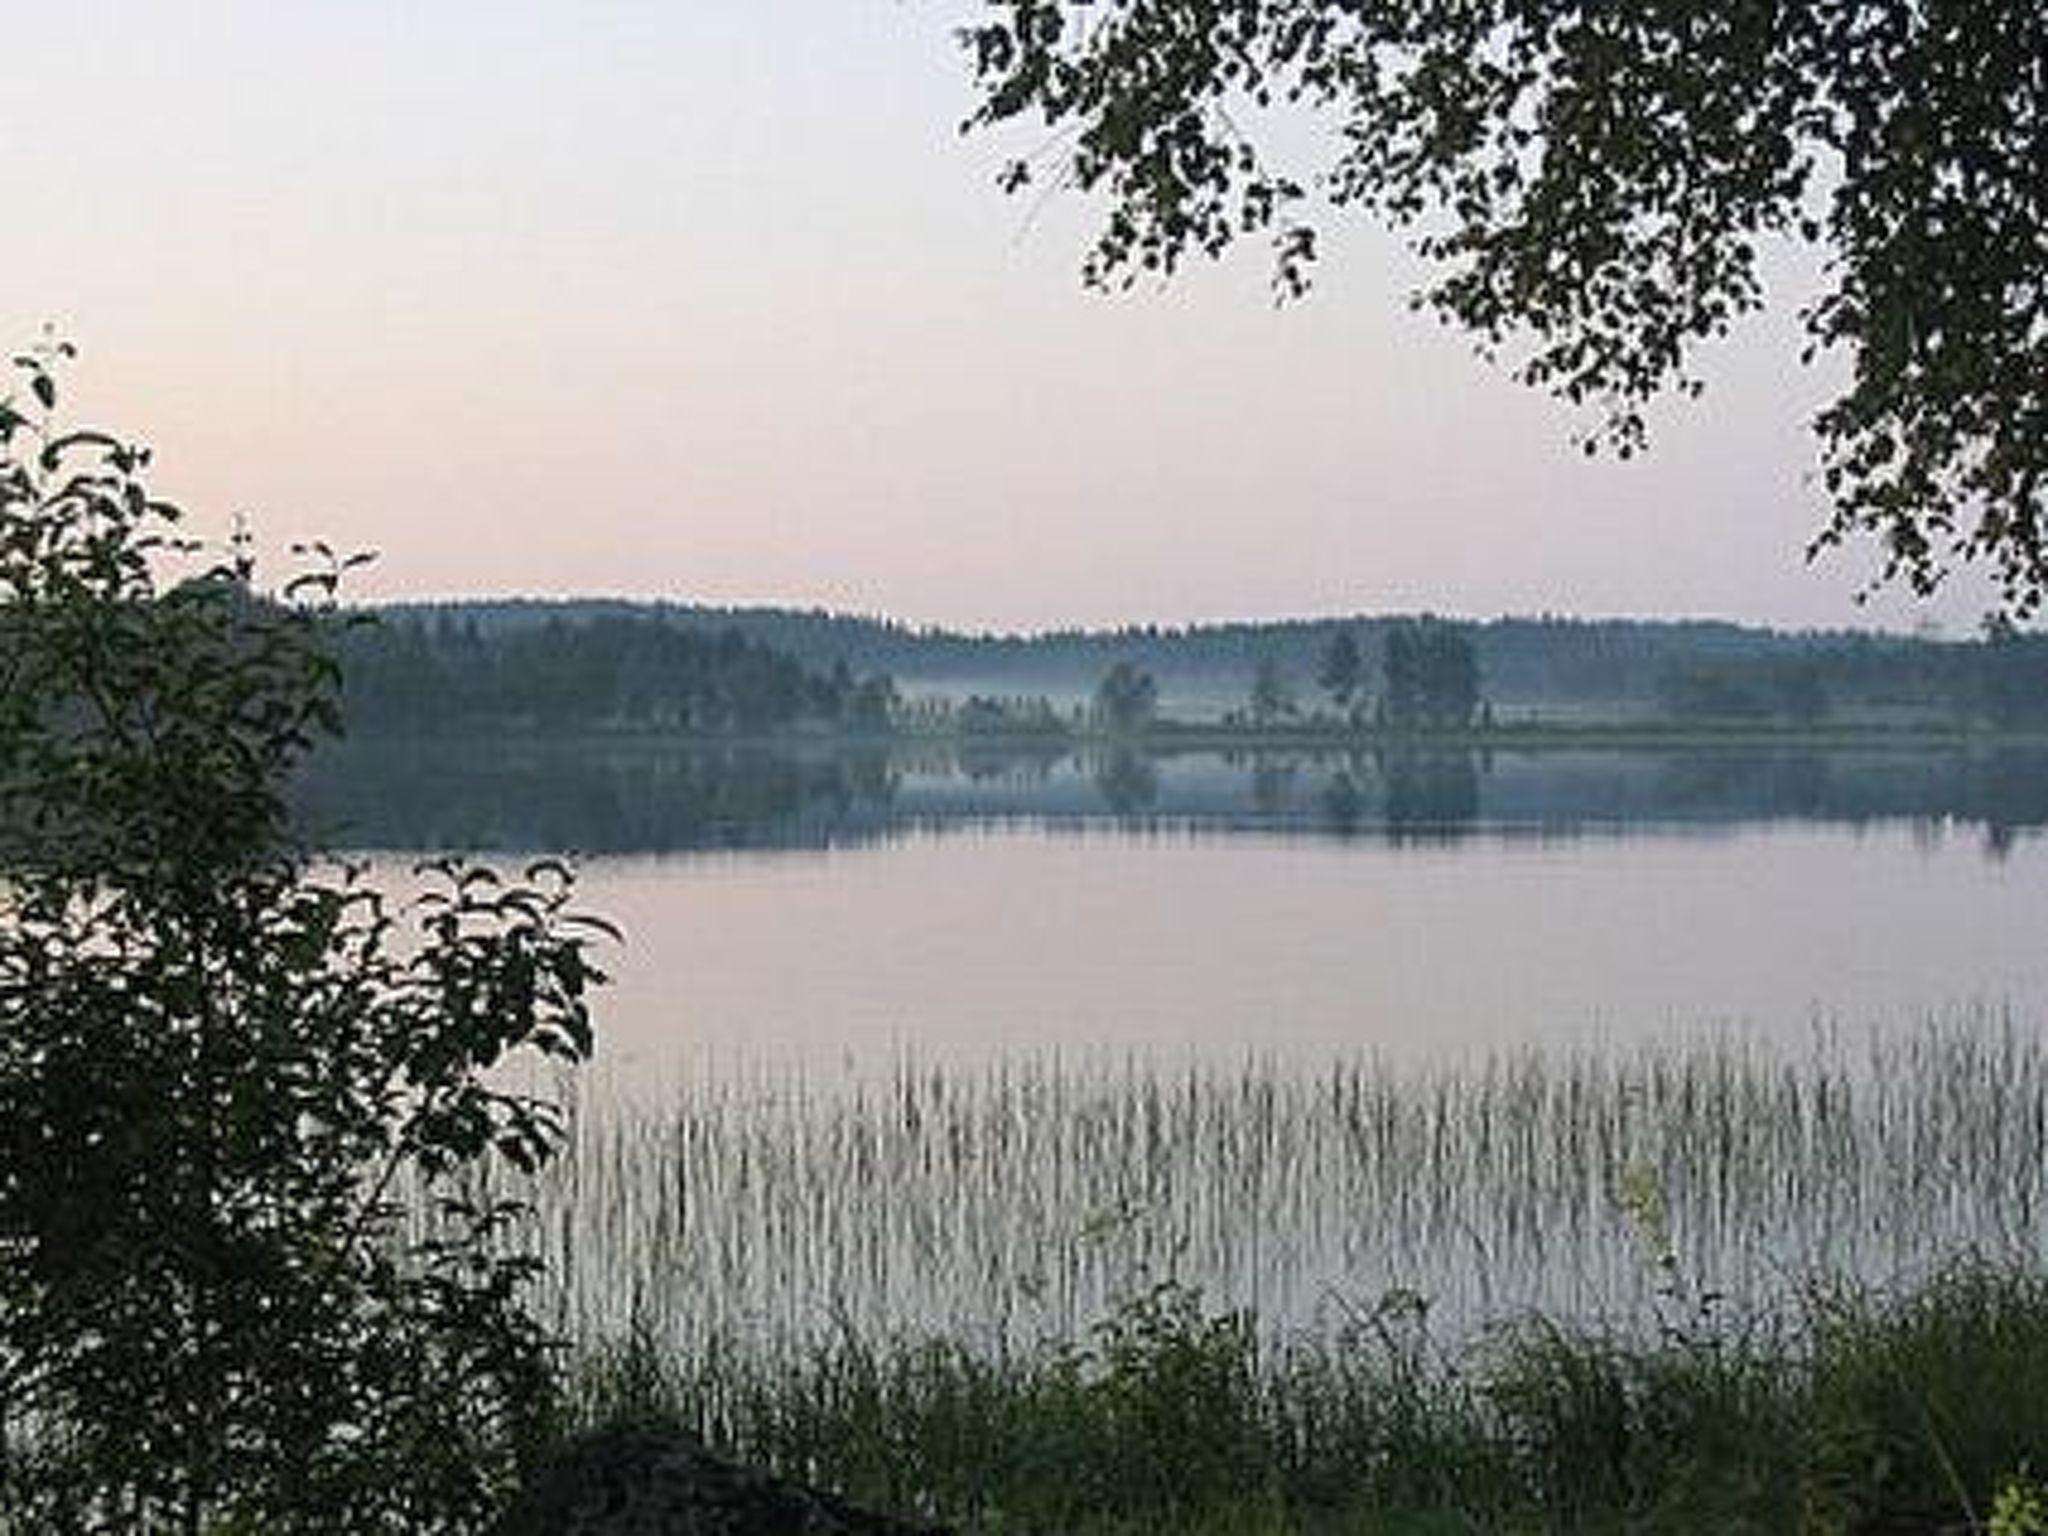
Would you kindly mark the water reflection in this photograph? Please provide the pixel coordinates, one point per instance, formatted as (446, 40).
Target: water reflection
(655, 796)
(1127, 780)
(608, 799)
(1343, 804)
(1429, 793)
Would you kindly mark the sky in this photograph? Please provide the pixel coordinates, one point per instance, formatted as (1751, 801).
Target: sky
(709, 300)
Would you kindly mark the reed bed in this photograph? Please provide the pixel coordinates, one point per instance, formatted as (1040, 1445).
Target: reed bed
(1019, 1201)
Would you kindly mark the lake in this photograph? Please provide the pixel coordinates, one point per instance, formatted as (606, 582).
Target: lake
(977, 1039)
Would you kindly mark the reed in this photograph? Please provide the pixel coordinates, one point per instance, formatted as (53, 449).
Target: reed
(1015, 1201)
(1714, 1285)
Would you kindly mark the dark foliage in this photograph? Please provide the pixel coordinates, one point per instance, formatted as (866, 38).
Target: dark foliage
(606, 670)
(637, 1480)
(1340, 671)
(1593, 185)
(227, 1066)
(1126, 699)
(1916, 1410)
(1544, 660)
(1430, 677)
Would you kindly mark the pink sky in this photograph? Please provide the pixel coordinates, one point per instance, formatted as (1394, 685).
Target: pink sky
(709, 301)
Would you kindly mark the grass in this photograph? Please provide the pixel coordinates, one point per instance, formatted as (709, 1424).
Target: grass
(1020, 1200)
(1856, 1410)
(1709, 1287)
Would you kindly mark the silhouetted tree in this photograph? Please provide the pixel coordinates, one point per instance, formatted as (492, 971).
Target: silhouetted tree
(1341, 670)
(1126, 699)
(1430, 677)
(1271, 699)
(871, 706)
(1596, 183)
(1450, 677)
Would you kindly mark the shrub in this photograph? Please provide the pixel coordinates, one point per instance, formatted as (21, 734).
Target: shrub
(224, 1058)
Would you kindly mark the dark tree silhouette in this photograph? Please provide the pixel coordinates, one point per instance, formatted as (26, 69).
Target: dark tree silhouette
(1593, 183)
(1271, 699)
(1126, 699)
(224, 1061)
(634, 671)
(1430, 677)
(1341, 670)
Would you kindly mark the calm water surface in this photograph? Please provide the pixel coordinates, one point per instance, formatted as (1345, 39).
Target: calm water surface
(965, 943)
(841, 907)
(983, 1042)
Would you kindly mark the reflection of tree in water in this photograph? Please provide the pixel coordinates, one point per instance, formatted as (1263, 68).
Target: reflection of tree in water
(606, 795)
(1127, 781)
(495, 795)
(1429, 793)
(2006, 789)
(1771, 783)
(1273, 783)
(1008, 762)
(1343, 803)
(2010, 791)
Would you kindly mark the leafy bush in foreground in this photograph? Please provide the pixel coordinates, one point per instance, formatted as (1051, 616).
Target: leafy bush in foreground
(221, 1060)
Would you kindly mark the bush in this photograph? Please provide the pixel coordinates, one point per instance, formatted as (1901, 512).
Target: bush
(228, 1064)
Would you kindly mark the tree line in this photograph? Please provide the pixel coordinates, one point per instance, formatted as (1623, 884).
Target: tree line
(1633, 666)
(417, 675)
(1428, 679)
(569, 667)
(2000, 680)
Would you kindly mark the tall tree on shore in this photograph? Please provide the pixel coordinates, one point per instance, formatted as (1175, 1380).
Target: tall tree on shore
(1271, 699)
(1429, 676)
(1126, 699)
(1450, 681)
(1341, 671)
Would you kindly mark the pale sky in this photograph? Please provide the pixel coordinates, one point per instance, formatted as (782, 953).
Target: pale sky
(708, 300)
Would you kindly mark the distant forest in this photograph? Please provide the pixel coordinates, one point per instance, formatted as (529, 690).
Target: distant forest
(432, 674)
(553, 666)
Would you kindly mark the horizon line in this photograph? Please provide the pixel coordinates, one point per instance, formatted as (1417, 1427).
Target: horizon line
(1926, 630)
